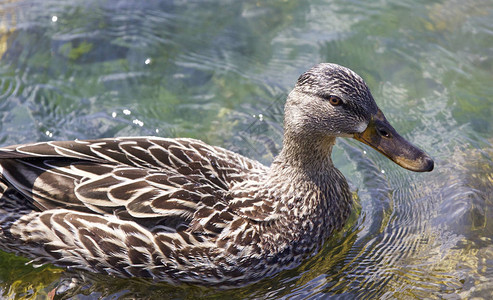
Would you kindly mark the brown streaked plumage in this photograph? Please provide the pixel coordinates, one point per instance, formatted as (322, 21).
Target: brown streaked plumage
(182, 211)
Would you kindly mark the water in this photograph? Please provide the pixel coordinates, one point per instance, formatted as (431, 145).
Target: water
(220, 71)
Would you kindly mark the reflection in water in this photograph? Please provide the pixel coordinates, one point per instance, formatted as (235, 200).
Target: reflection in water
(4, 35)
(209, 70)
(7, 25)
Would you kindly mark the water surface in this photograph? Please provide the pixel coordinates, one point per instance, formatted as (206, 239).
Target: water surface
(220, 71)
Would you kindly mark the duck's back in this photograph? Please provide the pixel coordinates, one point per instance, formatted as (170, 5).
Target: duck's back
(113, 172)
(110, 194)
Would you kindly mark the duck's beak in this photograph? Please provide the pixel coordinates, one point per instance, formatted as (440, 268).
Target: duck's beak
(382, 136)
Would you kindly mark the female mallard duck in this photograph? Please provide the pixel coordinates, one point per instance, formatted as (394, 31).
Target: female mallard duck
(179, 210)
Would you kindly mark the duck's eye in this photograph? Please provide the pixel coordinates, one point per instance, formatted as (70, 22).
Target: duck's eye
(334, 100)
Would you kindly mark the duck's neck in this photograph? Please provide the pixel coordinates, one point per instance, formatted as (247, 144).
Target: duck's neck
(313, 196)
(306, 153)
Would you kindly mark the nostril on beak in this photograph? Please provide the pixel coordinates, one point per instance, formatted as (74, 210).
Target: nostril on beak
(383, 132)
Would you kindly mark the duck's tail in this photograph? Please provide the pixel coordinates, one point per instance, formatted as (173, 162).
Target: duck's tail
(12, 207)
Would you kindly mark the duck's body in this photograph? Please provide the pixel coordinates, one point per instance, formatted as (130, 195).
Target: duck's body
(176, 210)
(179, 210)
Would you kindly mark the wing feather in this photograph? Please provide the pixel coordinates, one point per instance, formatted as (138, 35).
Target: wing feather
(167, 182)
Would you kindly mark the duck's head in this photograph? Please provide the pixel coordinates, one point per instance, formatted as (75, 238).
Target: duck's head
(331, 101)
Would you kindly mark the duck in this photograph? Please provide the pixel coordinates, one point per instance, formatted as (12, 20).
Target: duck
(180, 211)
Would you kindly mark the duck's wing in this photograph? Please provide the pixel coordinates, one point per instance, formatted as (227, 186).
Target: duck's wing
(221, 167)
(143, 178)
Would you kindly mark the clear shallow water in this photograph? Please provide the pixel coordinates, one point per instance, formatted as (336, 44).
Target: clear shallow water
(220, 71)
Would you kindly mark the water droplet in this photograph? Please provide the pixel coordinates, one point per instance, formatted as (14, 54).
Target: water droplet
(54, 19)
(138, 122)
(126, 112)
(147, 61)
(364, 151)
(113, 114)
(383, 171)
(261, 117)
(157, 130)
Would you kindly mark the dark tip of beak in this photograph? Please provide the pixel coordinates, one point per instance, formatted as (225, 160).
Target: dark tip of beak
(429, 164)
